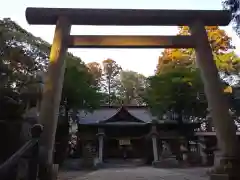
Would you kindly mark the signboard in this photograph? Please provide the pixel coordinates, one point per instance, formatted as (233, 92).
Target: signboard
(124, 142)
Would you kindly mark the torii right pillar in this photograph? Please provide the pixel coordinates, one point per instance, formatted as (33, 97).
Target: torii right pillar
(224, 125)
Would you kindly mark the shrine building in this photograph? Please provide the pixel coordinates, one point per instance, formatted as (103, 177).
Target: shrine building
(131, 132)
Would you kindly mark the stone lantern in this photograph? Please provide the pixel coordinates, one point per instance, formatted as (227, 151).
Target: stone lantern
(40, 85)
(33, 90)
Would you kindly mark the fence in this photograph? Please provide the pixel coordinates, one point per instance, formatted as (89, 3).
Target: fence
(29, 152)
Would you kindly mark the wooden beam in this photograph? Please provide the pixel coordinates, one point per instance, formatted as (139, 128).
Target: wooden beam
(128, 17)
(113, 41)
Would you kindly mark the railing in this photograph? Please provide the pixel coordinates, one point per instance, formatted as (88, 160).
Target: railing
(29, 150)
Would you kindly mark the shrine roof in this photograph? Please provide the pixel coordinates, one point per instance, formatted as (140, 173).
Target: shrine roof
(128, 17)
(106, 114)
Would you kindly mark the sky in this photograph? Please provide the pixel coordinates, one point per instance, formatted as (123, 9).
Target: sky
(140, 60)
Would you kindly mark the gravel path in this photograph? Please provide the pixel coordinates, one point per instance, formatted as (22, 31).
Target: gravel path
(136, 173)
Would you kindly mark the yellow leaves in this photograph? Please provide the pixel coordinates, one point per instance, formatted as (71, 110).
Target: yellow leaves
(228, 62)
(108, 61)
(218, 39)
(94, 68)
(183, 30)
(190, 84)
(172, 55)
(228, 89)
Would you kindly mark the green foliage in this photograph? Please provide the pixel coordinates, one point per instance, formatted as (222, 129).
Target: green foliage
(179, 90)
(228, 62)
(132, 87)
(169, 88)
(117, 86)
(78, 90)
(23, 56)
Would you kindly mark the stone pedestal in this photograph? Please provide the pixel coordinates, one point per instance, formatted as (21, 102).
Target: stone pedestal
(88, 159)
(228, 169)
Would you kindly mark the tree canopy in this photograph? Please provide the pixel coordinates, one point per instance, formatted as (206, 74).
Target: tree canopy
(179, 90)
(225, 58)
(111, 72)
(24, 58)
(177, 85)
(132, 87)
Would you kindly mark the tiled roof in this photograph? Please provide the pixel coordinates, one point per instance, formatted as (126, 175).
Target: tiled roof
(142, 114)
(96, 116)
(104, 113)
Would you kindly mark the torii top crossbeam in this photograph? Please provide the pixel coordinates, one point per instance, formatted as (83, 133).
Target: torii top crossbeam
(127, 17)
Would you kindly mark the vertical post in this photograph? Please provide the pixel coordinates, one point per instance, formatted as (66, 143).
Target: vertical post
(100, 138)
(100, 145)
(155, 151)
(154, 144)
(33, 164)
(53, 89)
(223, 123)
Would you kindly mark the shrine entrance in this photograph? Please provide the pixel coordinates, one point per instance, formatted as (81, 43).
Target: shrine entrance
(124, 148)
(195, 19)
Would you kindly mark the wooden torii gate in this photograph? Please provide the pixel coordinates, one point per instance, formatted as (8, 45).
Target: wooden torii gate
(63, 18)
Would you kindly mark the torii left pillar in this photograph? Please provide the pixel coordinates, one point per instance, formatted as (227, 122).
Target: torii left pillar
(52, 96)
